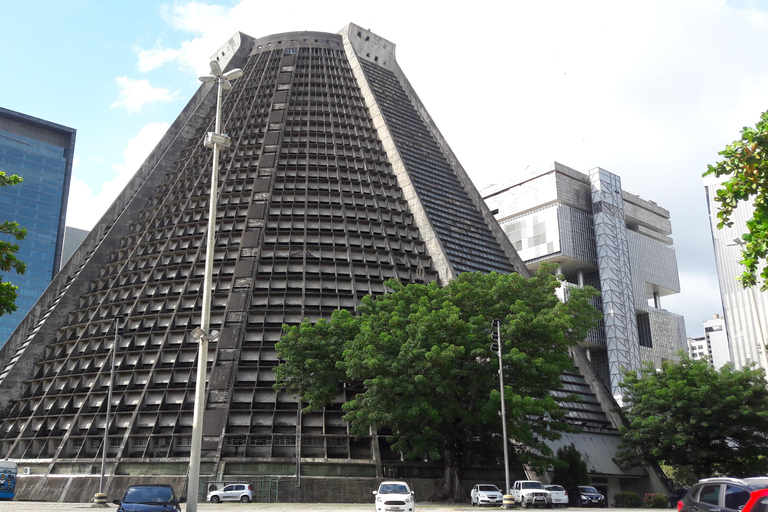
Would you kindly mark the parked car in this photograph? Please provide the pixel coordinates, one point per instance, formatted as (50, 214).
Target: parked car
(586, 496)
(149, 498)
(559, 495)
(758, 501)
(232, 492)
(723, 494)
(486, 494)
(531, 493)
(394, 497)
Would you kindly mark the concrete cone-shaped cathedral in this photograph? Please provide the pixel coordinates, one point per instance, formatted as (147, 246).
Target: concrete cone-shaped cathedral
(335, 181)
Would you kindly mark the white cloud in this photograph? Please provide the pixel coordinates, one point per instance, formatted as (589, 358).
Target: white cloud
(156, 57)
(85, 206)
(134, 94)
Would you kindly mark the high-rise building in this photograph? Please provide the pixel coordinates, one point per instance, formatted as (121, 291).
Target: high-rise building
(605, 237)
(335, 181)
(41, 152)
(745, 309)
(716, 335)
(713, 346)
(73, 237)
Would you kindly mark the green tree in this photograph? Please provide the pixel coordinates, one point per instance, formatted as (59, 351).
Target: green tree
(8, 249)
(745, 161)
(691, 415)
(570, 468)
(421, 359)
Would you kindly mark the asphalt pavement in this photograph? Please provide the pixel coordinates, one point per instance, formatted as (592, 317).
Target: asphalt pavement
(26, 506)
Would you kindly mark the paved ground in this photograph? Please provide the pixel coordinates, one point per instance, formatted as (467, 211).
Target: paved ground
(26, 506)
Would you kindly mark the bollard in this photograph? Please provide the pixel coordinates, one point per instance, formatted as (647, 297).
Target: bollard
(508, 501)
(100, 499)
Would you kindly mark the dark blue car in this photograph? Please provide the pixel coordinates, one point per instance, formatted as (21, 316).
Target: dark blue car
(149, 498)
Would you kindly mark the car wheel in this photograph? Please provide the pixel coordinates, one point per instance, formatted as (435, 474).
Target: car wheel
(215, 499)
(548, 505)
(244, 499)
(523, 503)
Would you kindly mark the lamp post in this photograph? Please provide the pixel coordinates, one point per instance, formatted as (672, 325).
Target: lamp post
(497, 327)
(202, 334)
(105, 443)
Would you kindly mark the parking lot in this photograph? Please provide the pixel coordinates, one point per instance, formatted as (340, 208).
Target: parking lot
(24, 506)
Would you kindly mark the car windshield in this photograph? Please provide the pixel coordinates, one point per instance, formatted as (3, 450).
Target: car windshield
(487, 488)
(532, 485)
(148, 495)
(588, 489)
(554, 488)
(393, 489)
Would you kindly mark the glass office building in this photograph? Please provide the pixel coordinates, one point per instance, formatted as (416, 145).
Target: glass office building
(41, 153)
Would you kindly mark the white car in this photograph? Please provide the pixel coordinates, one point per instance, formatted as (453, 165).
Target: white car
(231, 492)
(394, 497)
(486, 494)
(559, 495)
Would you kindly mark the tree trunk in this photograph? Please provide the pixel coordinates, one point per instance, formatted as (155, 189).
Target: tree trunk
(450, 488)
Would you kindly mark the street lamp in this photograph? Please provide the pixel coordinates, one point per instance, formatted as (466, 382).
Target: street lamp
(203, 334)
(105, 443)
(496, 324)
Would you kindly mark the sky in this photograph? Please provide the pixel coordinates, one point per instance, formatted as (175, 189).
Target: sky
(650, 91)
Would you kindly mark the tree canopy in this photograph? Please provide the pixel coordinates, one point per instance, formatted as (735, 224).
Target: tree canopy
(690, 415)
(745, 162)
(570, 470)
(8, 249)
(422, 361)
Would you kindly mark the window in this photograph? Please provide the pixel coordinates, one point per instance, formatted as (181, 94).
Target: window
(710, 494)
(735, 497)
(644, 330)
(285, 440)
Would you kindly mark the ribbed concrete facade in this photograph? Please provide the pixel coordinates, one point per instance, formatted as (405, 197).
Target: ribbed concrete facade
(336, 180)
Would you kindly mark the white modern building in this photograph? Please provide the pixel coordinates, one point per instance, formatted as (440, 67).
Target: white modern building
(713, 346)
(745, 309)
(602, 236)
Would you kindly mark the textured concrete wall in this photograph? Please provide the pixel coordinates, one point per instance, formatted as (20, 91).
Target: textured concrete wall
(81, 489)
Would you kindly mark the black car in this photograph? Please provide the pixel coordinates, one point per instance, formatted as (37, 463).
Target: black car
(149, 498)
(720, 494)
(586, 496)
(676, 496)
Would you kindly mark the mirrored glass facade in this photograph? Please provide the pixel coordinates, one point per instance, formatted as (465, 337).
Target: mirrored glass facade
(41, 153)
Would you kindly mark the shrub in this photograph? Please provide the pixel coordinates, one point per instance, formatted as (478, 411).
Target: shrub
(655, 500)
(627, 499)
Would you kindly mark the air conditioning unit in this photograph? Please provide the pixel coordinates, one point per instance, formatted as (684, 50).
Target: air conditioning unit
(27, 470)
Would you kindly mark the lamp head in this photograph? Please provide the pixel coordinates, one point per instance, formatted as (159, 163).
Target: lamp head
(215, 68)
(233, 74)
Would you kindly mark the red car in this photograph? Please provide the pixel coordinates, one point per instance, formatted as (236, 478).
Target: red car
(722, 494)
(758, 502)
